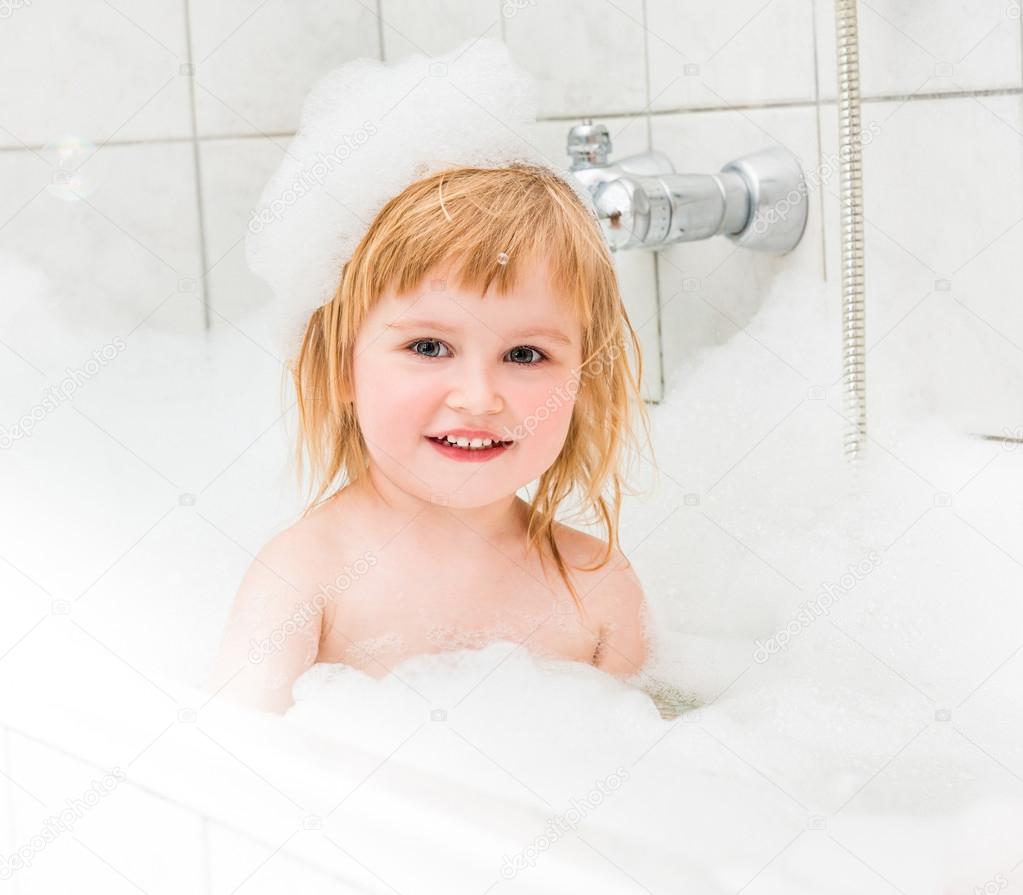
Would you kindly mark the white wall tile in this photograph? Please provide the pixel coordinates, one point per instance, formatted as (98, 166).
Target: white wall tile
(93, 69)
(110, 258)
(711, 288)
(234, 173)
(437, 26)
(723, 54)
(936, 47)
(256, 61)
(944, 330)
(637, 279)
(587, 60)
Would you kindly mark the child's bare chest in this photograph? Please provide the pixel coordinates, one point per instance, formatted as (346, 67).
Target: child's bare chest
(407, 603)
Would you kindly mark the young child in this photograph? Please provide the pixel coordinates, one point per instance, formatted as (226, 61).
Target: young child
(476, 344)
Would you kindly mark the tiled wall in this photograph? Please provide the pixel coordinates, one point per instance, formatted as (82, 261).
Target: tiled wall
(192, 106)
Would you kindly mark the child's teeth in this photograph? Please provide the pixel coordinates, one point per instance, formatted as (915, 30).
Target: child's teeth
(470, 444)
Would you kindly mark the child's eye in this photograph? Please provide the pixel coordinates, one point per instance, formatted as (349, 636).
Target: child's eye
(540, 357)
(412, 347)
(530, 363)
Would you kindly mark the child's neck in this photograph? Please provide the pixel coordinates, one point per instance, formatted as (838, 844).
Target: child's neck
(499, 521)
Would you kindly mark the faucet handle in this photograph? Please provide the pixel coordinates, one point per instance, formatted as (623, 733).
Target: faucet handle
(589, 145)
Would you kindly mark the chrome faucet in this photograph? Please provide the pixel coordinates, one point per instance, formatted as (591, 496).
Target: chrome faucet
(759, 201)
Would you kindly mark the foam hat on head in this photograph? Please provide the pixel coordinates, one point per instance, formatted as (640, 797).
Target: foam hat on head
(368, 130)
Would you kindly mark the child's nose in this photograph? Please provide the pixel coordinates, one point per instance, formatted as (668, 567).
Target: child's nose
(473, 389)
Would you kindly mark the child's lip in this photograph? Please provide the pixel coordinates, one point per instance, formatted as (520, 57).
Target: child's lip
(469, 433)
(480, 455)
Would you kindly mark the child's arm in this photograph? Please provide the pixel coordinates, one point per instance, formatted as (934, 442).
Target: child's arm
(273, 631)
(623, 649)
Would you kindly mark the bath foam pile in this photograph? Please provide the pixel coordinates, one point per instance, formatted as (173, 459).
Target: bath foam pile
(368, 130)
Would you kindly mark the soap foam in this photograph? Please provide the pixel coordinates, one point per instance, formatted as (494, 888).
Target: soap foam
(368, 130)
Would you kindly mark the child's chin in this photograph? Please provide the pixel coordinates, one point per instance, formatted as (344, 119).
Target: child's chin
(461, 495)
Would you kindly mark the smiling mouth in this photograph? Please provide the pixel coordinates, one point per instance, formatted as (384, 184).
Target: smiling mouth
(470, 448)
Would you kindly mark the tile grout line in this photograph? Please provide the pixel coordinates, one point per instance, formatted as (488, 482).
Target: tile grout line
(801, 103)
(657, 264)
(660, 327)
(646, 73)
(380, 29)
(197, 164)
(574, 119)
(820, 144)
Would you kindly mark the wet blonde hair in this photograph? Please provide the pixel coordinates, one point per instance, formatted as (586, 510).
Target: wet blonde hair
(471, 216)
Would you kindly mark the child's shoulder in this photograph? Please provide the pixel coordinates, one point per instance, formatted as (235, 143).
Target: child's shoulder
(298, 551)
(582, 549)
(616, 596)
(611, 587)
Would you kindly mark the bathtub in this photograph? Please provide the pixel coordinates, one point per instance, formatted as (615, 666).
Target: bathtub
(105, 791)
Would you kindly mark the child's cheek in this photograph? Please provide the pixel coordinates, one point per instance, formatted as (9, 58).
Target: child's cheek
(544, 410)
(392, 400)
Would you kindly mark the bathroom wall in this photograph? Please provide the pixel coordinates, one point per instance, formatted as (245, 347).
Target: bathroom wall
(192, 106)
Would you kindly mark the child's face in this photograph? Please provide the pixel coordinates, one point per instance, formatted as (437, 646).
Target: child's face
(414, 380)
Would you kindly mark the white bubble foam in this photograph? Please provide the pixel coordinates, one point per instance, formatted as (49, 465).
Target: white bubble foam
(368, 130)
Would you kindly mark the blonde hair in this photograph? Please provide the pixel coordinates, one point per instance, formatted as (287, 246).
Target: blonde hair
(471, 216)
